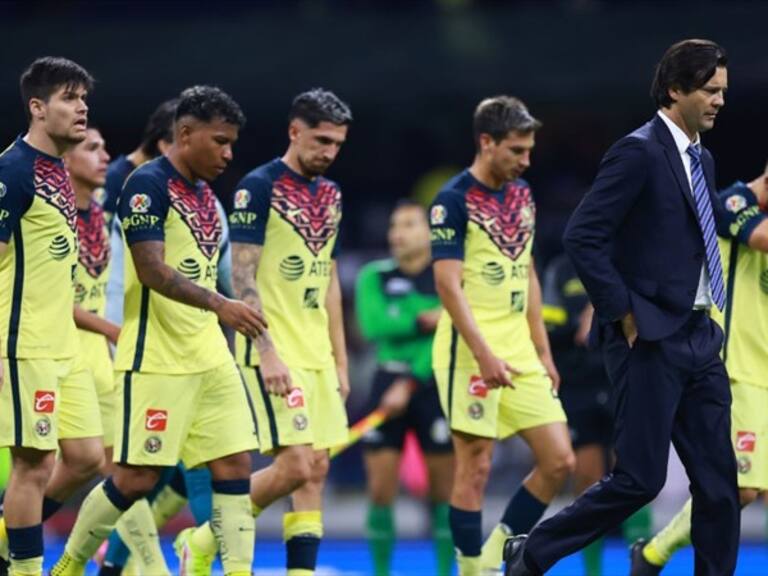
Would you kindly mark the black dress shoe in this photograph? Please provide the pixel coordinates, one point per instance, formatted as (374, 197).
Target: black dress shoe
(513, 557)
(639, 566)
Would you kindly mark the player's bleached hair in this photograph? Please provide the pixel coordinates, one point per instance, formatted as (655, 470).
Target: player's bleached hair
(320, 105)
(159, 127)
(47, 74)
(686, 66)
(500, 115)
(208, 103)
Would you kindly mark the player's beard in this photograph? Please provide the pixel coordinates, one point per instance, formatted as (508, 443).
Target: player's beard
(310, 170)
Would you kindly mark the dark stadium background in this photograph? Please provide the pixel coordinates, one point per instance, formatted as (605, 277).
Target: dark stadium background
(412, 71)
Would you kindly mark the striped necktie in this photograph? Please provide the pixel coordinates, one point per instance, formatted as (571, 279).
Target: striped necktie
(707, 223)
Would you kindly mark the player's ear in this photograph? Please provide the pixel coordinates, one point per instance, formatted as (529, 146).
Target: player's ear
(294, 129)
(486, 142)
(37, 109)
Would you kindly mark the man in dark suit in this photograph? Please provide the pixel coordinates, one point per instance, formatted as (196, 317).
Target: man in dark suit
(643, 242)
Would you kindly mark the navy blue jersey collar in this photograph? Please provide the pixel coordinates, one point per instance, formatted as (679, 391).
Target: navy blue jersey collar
(29, 149)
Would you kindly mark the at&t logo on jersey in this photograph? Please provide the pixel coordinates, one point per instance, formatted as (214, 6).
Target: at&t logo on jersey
(242, 197)
(156, 420)
(295, 398)
(745, 441)
(477, 387)
(139, 203)
(45, 401)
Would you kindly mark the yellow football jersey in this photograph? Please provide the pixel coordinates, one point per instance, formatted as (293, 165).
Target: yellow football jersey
(492, 232)
(38, 220)
(745, 319)
(161, 335)
(296, 220)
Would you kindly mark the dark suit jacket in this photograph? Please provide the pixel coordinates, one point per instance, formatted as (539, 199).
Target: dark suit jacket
(635, 238)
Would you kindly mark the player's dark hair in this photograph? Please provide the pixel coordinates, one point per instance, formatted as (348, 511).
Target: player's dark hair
(46, 75)
(159, 127)
(207, 103)
(686, 66)
(320, 105)
(500, 115)
(408, 203)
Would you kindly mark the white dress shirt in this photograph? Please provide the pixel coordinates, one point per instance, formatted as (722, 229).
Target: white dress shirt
(704, 290)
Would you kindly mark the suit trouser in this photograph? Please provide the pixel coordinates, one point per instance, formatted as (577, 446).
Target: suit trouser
(676, 388)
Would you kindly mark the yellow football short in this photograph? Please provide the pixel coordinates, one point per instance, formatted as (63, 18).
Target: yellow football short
(30, 402)
(79, 414)
(163, 418)
(472, 408)
(313, 413)
(749, 427)
(97, 357)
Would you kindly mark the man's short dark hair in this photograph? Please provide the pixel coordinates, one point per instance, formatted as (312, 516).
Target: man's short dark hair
(207, 103)
(500, 115)
(319, 105)
(408, 203)
(46, 75)
(159, 127)
(686, 66)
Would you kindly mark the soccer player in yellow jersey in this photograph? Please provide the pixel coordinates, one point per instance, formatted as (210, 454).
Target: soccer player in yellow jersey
(743, 228)
(284, 229)
(179, 394)
(38, 255)
(85, 408)
(491, 354)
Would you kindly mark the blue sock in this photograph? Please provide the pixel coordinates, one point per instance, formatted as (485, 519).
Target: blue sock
(523, 511)
(24, 543)
(50, 507)
(301, 553)
(199, 493)
(117, 552)
(177, 482)
(467, 530)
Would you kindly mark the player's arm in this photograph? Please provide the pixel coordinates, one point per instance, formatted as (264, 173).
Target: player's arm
(86, 320)
(537, 327)
(149, 261)
(336, 330)
(494, 371)
(245, 264)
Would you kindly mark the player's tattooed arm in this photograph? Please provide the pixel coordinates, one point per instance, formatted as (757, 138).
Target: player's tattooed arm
(155, 274)
(336, 329)
(245, 264)
(537, 327)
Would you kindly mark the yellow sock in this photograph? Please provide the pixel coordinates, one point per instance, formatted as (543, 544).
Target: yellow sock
(96, 519)
(3, 540)
(137, 529)
(167, 504)
(307, 525)
(468, 565)
(204, 540)
(232, 524)
(674, 536)
(27, 567)
(492, 553)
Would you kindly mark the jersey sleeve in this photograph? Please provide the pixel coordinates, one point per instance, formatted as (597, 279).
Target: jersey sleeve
(142, 209)
(448, 226)
(250, 210)
(737, 212)
(380, 319)
(15, 200)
